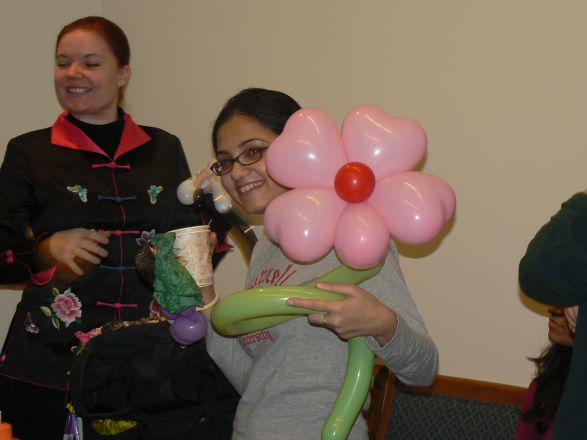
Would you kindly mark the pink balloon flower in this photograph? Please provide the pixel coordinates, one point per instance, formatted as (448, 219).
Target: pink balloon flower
(353, 190)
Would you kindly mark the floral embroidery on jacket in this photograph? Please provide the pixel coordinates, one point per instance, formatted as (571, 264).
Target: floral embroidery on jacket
(146, 237)
(153, 192)
(29, 325)
(81, 192)
(84, 337)
(66, 307)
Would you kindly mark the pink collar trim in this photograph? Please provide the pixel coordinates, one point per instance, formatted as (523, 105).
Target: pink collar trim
(65, 134)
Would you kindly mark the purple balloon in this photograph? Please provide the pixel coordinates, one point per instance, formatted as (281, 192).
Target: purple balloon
(187, 331)
(169, 315)
(189, 312)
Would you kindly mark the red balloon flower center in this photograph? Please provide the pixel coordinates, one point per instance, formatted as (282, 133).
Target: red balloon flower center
(354, 182)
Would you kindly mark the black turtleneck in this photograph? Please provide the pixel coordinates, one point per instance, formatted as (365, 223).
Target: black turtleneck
(106, 136)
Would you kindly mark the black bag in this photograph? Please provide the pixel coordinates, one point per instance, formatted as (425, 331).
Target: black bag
(137, 372)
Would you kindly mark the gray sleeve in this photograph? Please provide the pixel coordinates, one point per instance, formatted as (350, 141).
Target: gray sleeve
(230, 357)
(410, 354)
(227, 352)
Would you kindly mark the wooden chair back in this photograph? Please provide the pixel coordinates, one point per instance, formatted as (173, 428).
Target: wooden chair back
(385, 385)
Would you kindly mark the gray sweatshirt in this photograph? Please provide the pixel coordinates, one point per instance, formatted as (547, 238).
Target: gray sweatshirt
(289, 375)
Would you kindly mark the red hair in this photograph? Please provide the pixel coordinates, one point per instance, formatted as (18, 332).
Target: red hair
(112, 34)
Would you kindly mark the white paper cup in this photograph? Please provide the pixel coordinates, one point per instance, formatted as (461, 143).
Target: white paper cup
(192, 249)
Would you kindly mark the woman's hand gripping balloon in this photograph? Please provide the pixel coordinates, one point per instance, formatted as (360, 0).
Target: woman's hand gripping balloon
(358, 314)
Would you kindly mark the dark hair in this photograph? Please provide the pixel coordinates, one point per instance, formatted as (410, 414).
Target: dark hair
(270, 108)
(552, 367)
(109, 31)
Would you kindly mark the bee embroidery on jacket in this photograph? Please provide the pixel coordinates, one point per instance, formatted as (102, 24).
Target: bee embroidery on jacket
(153, 192)
(146, 237)
(81, 192)
(29, 325)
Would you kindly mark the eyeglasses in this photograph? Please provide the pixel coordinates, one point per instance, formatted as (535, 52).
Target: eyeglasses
(247, 157)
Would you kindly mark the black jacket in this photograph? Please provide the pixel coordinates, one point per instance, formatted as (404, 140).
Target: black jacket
(57, 179)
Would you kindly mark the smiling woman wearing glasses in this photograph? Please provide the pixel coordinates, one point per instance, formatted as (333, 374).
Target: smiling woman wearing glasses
(289, 375)
(240, 139)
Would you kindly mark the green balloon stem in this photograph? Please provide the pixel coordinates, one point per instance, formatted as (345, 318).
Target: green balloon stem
(353, 392)
(263, 307)
(344, 274)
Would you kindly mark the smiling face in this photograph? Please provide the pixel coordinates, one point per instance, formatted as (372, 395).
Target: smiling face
(250, 185)
(87, 77)
(558, 328)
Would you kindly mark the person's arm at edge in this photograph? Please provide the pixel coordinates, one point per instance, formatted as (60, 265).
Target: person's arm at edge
(552, 270)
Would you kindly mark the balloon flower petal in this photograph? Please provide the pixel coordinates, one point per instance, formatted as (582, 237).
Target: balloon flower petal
(362, 238)
(387, 144)
(303, 222)
(308, 153)
(415, 206)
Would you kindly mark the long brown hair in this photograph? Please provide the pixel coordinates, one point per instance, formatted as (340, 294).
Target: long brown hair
(552, 367)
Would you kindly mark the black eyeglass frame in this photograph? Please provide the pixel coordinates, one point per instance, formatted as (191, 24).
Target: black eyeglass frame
(216, 168)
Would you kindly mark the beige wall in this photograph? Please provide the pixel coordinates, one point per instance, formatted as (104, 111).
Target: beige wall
(28, 29)
(500, 88)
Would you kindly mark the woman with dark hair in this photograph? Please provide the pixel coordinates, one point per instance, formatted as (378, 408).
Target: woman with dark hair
(77, 200)
(289, 375)
(541, 402)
